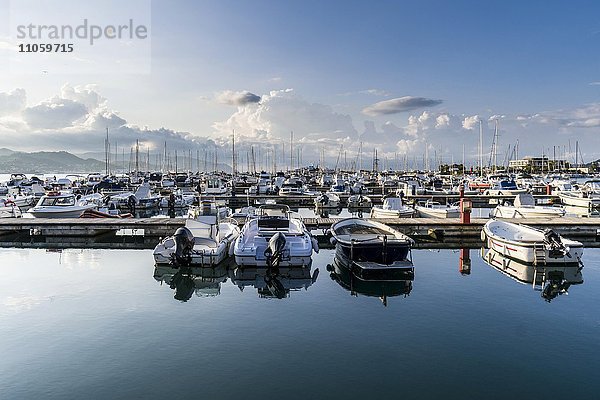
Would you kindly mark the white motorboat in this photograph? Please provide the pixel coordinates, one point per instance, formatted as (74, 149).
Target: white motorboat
(530, 245)
(203, 241)
(142, 198)
(392, 208)
(433, 209)
(8, 209)
(59, 205)
(580, 198)
(21, 200)
(327, 200)
(359, 201)
(525, 207)
(274, 235)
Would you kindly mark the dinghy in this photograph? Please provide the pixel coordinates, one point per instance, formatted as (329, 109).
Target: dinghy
(371, 249)
(433, 209)
(530, 245)
(392, 208)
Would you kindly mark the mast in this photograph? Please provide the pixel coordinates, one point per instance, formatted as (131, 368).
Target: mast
(480, 148)
(291, 150)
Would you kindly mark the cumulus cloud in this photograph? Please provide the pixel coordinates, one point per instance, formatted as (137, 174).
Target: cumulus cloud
(237, 98)
(281, 112)
(54, 113)
(12, 102)
(471, 122)
(400, 104)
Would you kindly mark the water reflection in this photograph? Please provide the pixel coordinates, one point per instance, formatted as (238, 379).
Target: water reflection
(382, 288)
(274, 282)
(551, 279)
(186, 281)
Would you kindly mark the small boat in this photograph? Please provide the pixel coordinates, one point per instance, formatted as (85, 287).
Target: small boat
(525, 207)
(59, 205)
(580, 198)
(203, 241)
(433, 209)
(359, 201)
(8, 209)
(372, 250)
(551, 279)
(392, 208)
(274, 235)
(327, 200)
(530, 245)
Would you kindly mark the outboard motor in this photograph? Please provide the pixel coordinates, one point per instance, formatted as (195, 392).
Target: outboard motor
(184, 243)
(274, 251)
(557, 248)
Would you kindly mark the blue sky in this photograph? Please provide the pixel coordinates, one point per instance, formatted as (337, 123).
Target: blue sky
(531, 64)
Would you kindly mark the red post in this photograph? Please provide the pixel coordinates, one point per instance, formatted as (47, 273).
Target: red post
(548, 190)
(465, 210)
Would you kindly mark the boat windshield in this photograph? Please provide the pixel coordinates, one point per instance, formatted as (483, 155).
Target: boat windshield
(58, 201)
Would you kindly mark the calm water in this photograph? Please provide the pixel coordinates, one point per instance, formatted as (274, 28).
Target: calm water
(96, 324)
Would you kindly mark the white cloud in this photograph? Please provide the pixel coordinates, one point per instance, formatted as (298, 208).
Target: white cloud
(54, 113)
(471, 122)
(12, 102)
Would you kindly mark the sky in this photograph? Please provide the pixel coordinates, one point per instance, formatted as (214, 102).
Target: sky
(407, 78)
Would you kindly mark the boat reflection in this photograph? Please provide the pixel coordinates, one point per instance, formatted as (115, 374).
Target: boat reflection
(187, 281)
(552, 279)
(381, 287)
(274, 282)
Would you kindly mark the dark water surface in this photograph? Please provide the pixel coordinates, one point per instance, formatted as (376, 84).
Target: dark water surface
(96, 324)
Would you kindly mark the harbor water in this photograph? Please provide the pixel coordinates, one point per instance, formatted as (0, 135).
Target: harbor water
(98, 324)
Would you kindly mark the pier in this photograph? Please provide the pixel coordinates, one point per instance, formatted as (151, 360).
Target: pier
(146, 232)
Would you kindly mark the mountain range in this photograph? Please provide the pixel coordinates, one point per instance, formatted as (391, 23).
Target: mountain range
(46, 162)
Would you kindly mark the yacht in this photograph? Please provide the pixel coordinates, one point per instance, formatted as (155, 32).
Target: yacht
(274, 234)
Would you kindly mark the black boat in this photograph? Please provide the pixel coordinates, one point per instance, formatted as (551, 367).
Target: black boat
(372, 250)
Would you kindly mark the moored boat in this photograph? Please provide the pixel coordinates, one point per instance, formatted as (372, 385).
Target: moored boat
(202, 241)
(274, 234)
(433, 209)
(530, 245)
(59, 205)
(371, 249)
(392, 208)
(524, 207)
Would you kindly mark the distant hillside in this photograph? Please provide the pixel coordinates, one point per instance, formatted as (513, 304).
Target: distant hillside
(45, 162)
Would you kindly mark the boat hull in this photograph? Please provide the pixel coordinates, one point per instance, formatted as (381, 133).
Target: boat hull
(46, 212)
(531, 251)
(377, 212)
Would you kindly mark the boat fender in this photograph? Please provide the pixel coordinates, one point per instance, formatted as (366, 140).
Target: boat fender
(483, 236)
(333, 241)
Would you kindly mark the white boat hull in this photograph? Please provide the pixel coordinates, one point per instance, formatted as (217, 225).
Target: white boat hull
(59, 212)
(573, 200)
(378, 212)
(530, 248)
(527, 212)
(426, 212)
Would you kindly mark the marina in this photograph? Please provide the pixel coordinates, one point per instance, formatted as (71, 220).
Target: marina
(299, 200)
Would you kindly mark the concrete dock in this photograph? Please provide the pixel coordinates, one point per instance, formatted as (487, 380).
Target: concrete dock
(146, 232)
